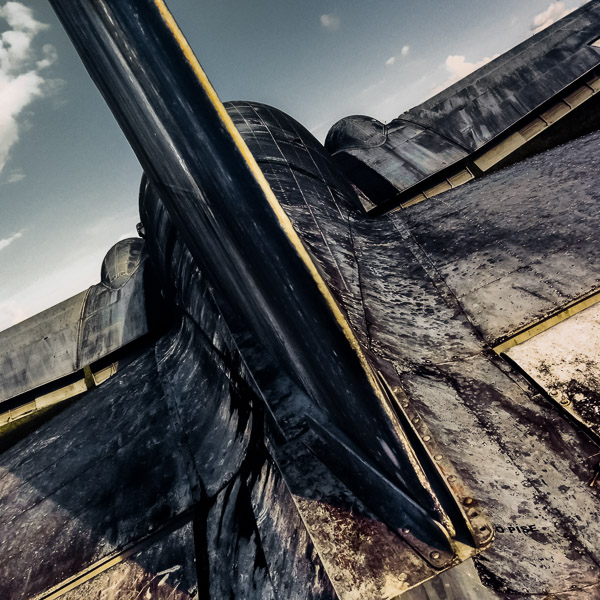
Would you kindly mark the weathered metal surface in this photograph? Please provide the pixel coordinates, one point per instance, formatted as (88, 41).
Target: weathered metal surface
(520, 244)
(62, 340)
(121, 262)
(329, 496)
(492, 98)
(294, 495)
(228, 216)
(115, 310)
(460, 583)
(179, 428)
(463, 124)
(56, 332)
(99, 476)
(164, 571)
(385, 159)
(237, 233)
(564, 361)
(512, 450)
(248, 512)
(520, 457)
(407, 154)
(509, 445)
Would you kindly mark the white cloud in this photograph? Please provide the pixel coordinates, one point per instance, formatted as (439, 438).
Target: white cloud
(458, 67)
(15, 176)
(556, 11)
(19, 17)
(9, 240)
(392, 59)
(331, 22)
(21, 66)
(50, 56)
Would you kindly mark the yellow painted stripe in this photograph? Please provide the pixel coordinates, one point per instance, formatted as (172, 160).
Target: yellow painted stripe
(530, 331)
(415, 200)
(113, 559)
(61, 394)
(284, 220)
(91, 573)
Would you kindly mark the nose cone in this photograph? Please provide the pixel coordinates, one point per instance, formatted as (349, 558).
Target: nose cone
(121, 262)
(357, 131)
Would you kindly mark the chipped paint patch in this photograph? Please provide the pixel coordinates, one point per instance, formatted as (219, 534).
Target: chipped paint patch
(564, 361)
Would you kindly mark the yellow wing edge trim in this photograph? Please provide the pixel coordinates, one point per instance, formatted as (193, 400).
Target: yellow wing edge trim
(113, 559)
(530, 331)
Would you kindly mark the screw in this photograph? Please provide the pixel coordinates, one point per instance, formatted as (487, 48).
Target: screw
(594, 478)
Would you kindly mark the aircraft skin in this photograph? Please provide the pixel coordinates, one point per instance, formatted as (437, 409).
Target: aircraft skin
(44, 357)
(333, 404)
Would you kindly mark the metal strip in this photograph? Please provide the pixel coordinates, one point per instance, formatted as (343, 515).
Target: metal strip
(113, 559)
(531, 330)
(282, 217)
(465, 506)
(80, 329)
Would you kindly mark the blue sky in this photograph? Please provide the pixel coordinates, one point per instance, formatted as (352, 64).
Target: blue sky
(69, 181)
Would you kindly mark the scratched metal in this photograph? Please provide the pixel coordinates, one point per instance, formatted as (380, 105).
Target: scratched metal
(207, 421)
(178, 429)
(229, 222)
(519, 244)
(102, 474)
(164, 571)
(514, 451)
(563, 360)
(506, 441)
(247, 510)
(361, 553)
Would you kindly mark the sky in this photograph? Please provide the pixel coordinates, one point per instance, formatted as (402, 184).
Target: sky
(68, 179)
